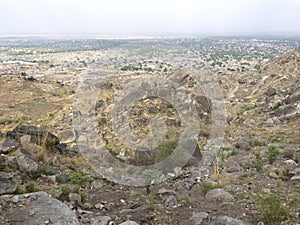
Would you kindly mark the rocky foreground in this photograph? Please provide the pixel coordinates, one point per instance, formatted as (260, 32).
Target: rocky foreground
(253, 179)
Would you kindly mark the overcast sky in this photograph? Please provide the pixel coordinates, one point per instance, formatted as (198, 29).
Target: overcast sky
(148, 16)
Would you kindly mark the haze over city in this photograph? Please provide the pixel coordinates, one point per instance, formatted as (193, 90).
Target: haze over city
(149, 17)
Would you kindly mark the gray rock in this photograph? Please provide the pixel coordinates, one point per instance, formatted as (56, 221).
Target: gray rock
(285, 111)
(67, 136)
(3, 161)
(270, 91)
(297, 174)
(74, 197)
(225, 220)
(39, 208)
(7, 186)
(9, 146)
(26, 164)
(171, 201)
(199, 217)
(38, 135)
(295, 97)
(219, 195)
(129, 223)
(102, 220)
(203, 104)
(207, 158)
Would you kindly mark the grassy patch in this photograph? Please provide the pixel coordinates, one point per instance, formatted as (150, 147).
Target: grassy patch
(206, 186)
(31, 187)
(272, 210)
(165, 149)
(80, 179)
(272, 153)
(150, 202)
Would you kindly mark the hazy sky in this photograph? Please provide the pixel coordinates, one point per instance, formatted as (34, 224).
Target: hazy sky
(148, 16)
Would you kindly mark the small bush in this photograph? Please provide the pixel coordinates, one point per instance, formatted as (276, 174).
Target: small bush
(206, 186)
(47, 170)
(259, 165)
(151, 202)
(83, 197)
(102, 121)
(165, 149)
(272, 210)
(59, 179)
(272, 153)
(65, 190)
(79, 179)
(31, 187)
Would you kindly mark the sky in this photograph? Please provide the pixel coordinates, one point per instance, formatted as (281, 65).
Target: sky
(144, 17)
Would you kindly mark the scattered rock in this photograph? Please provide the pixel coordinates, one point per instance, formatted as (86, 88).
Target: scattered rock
(270, 91)
(102, 220)
(39, 208)
(7, 186)
(225, 220)
(219, 195)
(241, 81)
(74, 197)
(171, 201)
(203, 104)
(163, 191)
(285, 111)
(26, 164)
(295, 97)
(3, 161)
(37, 135)
(9, 146)
(274, 175)
(129, 223)
(207, 158)
(296, 173)
(66, 136)
(199, 217)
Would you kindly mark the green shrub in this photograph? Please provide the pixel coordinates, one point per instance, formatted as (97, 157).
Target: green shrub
(272, 210)
(65, 190)
(151, 202)
(47, 170)
(272, 153)
(79, 178)
(206, 186)
(31, 187)
(165, 149)
(59, 179)
(102, 121)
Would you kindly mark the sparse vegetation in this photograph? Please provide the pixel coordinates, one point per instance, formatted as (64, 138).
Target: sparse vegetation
(165, 149)
(150, 202)
(31, 187)
(207, 185)
(79, 179)
(272, 209)
(65, 190)
(272, 153)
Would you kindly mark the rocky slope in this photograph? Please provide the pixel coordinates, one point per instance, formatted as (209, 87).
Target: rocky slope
(253, 178)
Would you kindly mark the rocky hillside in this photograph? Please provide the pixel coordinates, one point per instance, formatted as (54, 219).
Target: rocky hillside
(254, 178)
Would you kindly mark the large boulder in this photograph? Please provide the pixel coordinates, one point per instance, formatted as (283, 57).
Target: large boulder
(37, 135)
(36, 208)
